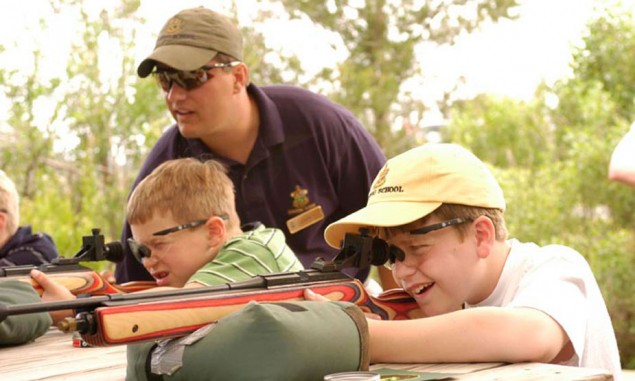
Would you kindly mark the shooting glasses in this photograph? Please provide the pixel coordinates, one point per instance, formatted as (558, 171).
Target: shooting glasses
(394, 253)
(140, 251)
(188, 80)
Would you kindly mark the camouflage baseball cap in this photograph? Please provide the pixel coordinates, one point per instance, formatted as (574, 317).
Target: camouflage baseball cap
(191, 38)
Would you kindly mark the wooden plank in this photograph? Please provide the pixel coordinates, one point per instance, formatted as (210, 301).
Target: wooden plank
(454, 368)
(53, 357)
(537, 372)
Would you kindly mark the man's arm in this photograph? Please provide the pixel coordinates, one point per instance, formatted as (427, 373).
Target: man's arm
(622, 165)
(484, 334)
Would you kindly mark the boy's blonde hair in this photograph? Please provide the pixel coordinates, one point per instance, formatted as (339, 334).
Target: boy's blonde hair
(10, 202)
(187, 189)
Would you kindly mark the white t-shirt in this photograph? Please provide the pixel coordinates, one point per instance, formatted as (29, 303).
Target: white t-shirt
(557, 280)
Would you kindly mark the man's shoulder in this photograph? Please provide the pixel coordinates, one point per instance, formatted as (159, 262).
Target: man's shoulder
(287, 95)
(284, 91)
(299, 111)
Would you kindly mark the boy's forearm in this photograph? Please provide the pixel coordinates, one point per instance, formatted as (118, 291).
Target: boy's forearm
(474, 335)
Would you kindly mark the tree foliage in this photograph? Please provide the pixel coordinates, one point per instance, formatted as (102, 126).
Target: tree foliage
(380, 37)
(607, 57)
(104, 124)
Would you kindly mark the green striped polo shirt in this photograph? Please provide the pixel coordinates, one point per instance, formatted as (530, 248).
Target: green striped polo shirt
(256, 252)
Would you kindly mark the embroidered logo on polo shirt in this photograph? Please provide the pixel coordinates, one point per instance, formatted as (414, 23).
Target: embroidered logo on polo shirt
(300, 200)
(307, 213)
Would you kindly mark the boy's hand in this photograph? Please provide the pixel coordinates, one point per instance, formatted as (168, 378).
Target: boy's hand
(108, 276)
(53, 292)
(313, 297)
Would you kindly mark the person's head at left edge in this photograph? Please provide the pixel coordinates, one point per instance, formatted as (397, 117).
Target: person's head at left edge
(9, 208)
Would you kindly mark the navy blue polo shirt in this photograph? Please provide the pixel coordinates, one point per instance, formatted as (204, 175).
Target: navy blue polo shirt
(304, 141)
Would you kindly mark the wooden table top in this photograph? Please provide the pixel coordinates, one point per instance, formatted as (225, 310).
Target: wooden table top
(53, 357)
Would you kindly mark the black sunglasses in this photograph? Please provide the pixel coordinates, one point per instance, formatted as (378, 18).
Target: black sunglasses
(395, 254)
(188, 80)
(140, 251)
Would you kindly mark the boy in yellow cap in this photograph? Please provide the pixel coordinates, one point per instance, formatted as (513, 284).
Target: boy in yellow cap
(441, 212)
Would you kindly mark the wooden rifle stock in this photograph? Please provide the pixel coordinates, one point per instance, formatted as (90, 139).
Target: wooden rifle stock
(129, 318)
(150, 321)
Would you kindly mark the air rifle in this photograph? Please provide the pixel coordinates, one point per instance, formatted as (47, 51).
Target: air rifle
(128, 318)
(76, 277)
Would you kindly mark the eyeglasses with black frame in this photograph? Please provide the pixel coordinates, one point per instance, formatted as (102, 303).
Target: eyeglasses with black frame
(188, 80)
(140, 251)
(395, 254)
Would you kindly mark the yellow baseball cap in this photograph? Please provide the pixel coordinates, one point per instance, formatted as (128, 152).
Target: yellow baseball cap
(191, 38)
(415, 183)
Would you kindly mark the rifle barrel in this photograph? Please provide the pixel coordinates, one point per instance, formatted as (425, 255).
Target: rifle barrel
(257, 282)
(25, 270)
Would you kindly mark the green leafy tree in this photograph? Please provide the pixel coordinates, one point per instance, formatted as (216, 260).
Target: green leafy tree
(380, 37)
(105, 124)
(607, 57)
(517, 127)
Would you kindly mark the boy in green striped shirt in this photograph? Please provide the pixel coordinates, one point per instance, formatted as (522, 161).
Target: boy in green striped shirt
(186, 231)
